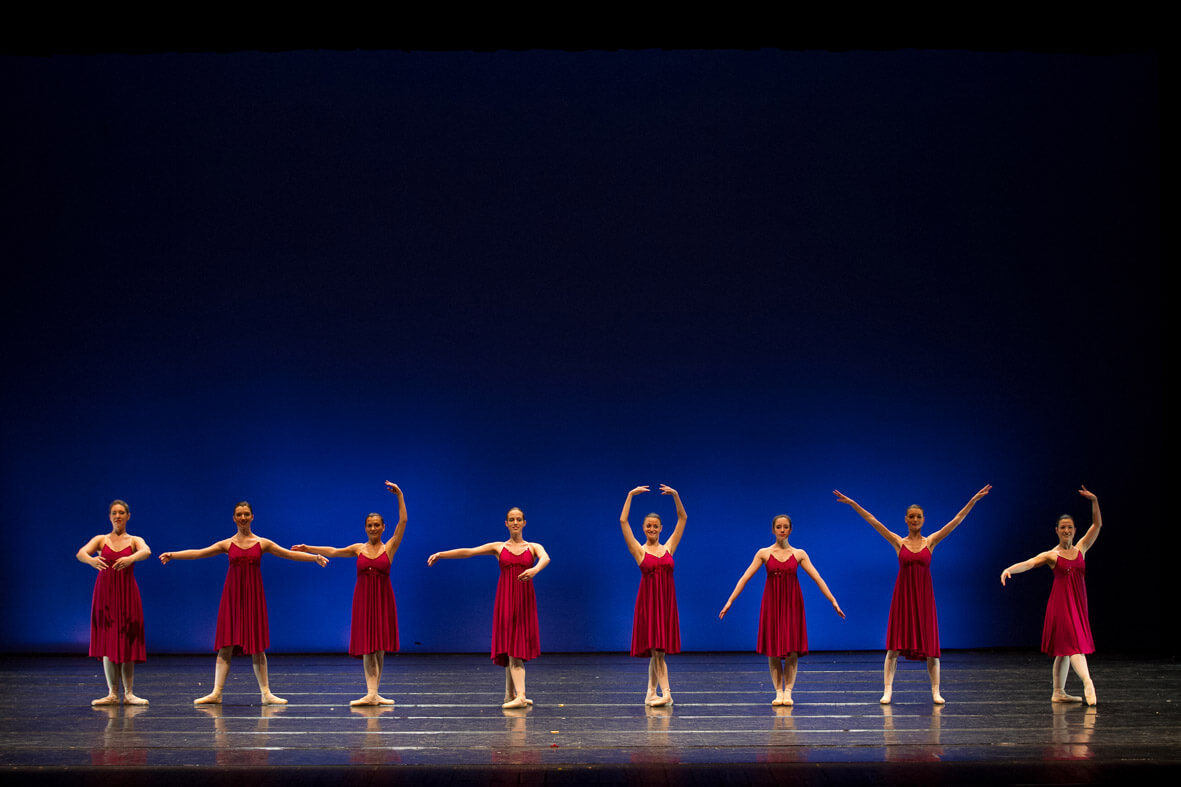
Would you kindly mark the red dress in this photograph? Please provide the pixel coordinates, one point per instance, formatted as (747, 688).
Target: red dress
(375, 615)
(117, 612)
(656, 625)
(914, 626)
(242, 614)
(1067, 630)
(782, 629)
(514, 616)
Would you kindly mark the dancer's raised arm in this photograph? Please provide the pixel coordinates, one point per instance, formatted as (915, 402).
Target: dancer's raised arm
(395, 541)
(894, 539)
(1088, 540)
(675, 539)
(633, 546)
(945, 531)
(755, 565)
(806, 564)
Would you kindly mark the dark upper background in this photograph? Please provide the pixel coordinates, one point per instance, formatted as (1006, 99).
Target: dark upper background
(542, 278)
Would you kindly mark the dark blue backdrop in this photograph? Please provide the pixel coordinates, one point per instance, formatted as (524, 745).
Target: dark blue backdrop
(540, 279)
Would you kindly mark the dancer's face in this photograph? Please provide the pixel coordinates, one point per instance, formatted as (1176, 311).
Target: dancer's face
(119, 517)
(1065, 529)
(652, 528)
(914, 518)
(781, 528)
(374, 528)
(243, 516)
(515, 521)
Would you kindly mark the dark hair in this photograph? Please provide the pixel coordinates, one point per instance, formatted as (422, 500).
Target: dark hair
(514, 508)
(118, 502)
(372, 514)
(241, 503)
(655, 516)
(916, 505)
(777, 517)
(1064, 516)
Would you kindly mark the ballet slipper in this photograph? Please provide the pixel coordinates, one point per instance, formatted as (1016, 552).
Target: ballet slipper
(887, 696)
(368, 699)
(271, 699)
(787, 702)
(516, 702)
(213, 698)
(110, 699)
(1089, 693)
(936, 697)
(132, 699)
(1061, 696)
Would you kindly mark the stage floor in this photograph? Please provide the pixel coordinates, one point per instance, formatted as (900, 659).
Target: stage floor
(589, 723)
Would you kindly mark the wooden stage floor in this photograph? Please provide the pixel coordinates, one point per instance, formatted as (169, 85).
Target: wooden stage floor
(589, 724)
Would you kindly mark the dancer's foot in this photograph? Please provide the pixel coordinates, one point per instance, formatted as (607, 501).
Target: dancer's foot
(787, 699)
(271, 699)
(650, 698)
(1089, 693)
(936, 697)
(131, 699)
(213, 698)
(887, 696)
(1061, 696)
(383, 701)
(660, 702)
(368, 699)
(110, 699)
(778, 699)
(515, 702)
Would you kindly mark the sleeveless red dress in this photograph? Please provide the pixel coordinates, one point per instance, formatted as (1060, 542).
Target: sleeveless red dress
(782, 628)
(117, 612)
(242, 614)
(1067, 629)
(913, 628)
(656, 625)
(375, 615)
(514, 615)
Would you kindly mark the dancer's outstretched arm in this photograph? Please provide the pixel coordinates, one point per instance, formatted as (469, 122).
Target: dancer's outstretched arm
(491, 548)
(1025, 565)
(289, 554)
(352, 550)
(197, 554)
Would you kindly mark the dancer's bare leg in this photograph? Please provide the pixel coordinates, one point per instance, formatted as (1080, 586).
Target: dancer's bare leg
(1061, 668)
(372, 680)
(933, 672)
(1079, 662)
(650, 697)
(259, 660)
(111, 673)
(888, 670)
(221, 669)
(789, 677)
(128, 670)
(380, 670)
(775, 664)
(661, 669)
(516, 670)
